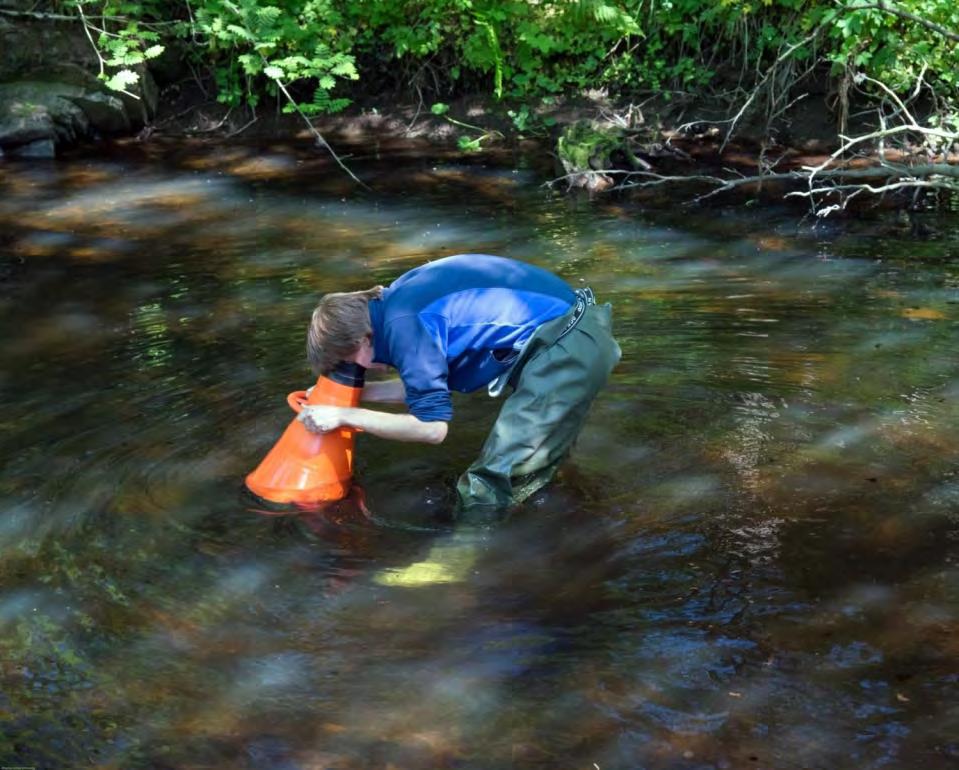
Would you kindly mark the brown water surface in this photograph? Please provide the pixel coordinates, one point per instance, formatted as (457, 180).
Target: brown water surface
(751, 561)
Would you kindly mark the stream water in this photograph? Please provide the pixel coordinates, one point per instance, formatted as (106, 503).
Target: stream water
(752, 559)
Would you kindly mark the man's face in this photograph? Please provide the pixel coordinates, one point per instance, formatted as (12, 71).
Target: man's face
(364, 355)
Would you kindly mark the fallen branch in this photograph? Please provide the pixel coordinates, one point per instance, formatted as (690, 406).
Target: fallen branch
(932, 142)
(893, 176)
(910, 183)
(242, 128)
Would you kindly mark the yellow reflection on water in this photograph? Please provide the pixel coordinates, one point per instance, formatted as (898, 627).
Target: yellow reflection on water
(448, 562)
(923, 314)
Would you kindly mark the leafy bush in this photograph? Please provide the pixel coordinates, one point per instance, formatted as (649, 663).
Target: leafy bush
(519, 49)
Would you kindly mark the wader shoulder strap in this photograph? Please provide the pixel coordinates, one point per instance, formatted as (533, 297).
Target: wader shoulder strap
(544, 336)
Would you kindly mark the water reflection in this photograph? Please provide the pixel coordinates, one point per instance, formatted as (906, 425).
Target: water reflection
(751, 561)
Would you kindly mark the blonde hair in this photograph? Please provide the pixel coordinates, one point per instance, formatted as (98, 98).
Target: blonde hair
(340, 323)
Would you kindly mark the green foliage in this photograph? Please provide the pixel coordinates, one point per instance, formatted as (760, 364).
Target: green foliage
(528, 123)
(892, 48)
(518, 49)
(253, 43)
(470, 144)
(124, 39)
(466, 143)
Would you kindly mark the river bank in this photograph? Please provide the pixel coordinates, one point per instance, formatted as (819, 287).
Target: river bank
(828, 152)
(659, 152)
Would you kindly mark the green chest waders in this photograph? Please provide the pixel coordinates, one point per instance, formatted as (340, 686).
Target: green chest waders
(555, 377)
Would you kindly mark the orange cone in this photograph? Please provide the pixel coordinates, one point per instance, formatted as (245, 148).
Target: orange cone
(305, 467)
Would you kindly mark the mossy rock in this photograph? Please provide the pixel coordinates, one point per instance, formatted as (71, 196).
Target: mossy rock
(105, 112)
(584, 147)
(81, 84)
(586, 150)
(32, 112)
(45, 108)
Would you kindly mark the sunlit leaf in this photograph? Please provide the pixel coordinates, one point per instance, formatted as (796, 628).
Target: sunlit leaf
(123, 80)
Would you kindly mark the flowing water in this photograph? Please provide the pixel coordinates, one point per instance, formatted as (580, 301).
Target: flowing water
(752, 560)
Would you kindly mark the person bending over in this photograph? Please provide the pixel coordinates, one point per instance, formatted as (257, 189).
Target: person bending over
(463, 323)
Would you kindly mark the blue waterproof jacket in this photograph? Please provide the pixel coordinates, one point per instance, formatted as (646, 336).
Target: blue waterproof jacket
(456, 323)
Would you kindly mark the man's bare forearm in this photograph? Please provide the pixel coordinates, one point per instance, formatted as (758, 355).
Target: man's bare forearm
(396, 427)
(385, 391)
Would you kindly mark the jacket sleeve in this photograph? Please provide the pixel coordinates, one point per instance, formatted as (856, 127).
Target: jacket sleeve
(417, 345)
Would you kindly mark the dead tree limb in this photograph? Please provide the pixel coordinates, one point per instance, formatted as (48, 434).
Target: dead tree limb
(851, 182)
(757, 89)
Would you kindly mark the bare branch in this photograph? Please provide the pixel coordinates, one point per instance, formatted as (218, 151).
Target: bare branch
(756, 91)
(86, 29)
(862, 77)
(419, 107)
(889, 176)
(320, 141)
(40, 16)
(849, 143)
(859, 188)
(242, 128)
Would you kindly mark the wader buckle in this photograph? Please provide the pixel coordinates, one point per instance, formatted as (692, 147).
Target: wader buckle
(584, 298)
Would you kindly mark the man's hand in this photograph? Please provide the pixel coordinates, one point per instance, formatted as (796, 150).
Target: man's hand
(322, 419)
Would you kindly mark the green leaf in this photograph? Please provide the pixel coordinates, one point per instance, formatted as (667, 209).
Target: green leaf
(468, 144)
(252, 64)
(439, 108)
(273, 72)
(122, 80)
(241, 32)
(153, 51)
(345, 69)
